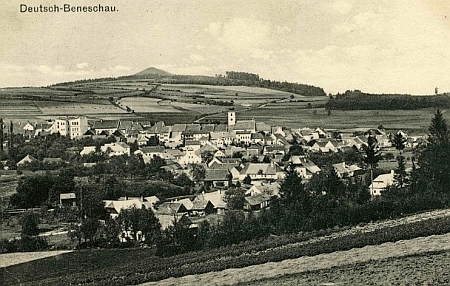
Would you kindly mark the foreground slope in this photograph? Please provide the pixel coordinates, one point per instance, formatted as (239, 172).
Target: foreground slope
(275, 273)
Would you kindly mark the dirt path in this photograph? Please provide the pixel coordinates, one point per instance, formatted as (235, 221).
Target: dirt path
(300, 265)
(9, 259)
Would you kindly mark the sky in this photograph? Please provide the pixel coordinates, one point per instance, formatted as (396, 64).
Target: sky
(384, 46)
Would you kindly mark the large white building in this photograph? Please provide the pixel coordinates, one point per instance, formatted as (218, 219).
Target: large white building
(71, 126)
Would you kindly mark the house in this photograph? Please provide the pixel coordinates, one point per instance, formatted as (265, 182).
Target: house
(169, 211)
(244, 137)
(203, 207)
(271, 189)
(149, 152)
(116, 149)
(258, 171)
(189, 158)
(304, 167)
(71, 126)
(380, 183)
(216, 198)
(28, 159)
(217, 177)
(257, 202)
(87, 149)
(106, 126)
(326, 146)
(192, 144)
(67, 200)
(176, 134)
(345, 171)
(114, 207)
(244, 125)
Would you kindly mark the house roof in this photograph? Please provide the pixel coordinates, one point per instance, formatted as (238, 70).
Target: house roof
(27, 158)
(153, 149)
(257, 136)
(52, 160)
(67, 196)
(208, 127)
(216, 175)
(216, 198)
(257, 199)
(244, 125)
(261, 126)
(187, 203)
(170, 208)
(200, 205)
(178, 127)
(106, 124)
(191, 142)
(193, 127)
(221, 128)
(254, 168)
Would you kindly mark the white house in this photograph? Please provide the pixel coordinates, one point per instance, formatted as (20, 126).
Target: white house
(189, 158)
(380, 183)
(116, 148)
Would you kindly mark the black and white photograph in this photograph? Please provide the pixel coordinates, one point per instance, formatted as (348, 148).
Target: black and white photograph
(233, 142)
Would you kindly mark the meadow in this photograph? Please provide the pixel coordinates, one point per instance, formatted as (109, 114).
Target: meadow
(134, 266)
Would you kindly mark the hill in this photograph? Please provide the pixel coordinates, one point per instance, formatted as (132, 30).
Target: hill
(152, 71)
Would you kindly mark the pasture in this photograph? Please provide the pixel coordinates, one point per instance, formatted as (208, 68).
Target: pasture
(296, 117)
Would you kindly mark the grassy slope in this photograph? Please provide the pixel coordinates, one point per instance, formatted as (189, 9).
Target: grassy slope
(118, 267)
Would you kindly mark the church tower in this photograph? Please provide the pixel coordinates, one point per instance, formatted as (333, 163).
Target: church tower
(231, 118)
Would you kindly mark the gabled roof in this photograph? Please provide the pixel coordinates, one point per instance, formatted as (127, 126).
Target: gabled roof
(261, 126)
(191, 142)
(257, 199)
(201, 205)
(216, 175)
(221, 128)
(106, 124)
(171, 208)
(153, 149)
(254, 169)
(187, 203)
(208, 127)
(193, 127)
(257, 136)
(216, 198)
(245, 125)
(178, 127)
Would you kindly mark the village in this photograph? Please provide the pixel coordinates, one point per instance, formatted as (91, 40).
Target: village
(246, 154)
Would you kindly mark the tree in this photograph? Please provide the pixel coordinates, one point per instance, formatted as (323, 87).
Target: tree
(198, 172)
(438, 129)
(29, 222)
(399, 142)
(247, 180)
(293, 194)
(400, 173)
(235, 198)
(207, 157)
(432, 174)
(140, 221)
(372, 155)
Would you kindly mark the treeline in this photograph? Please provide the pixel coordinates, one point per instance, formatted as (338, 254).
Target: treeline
(357, 100)
(242, 76)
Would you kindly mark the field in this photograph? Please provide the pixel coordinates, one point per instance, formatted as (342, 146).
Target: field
(419, 269)
(411, 262)
(269, 258)
(295, 117)
(184, 103)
